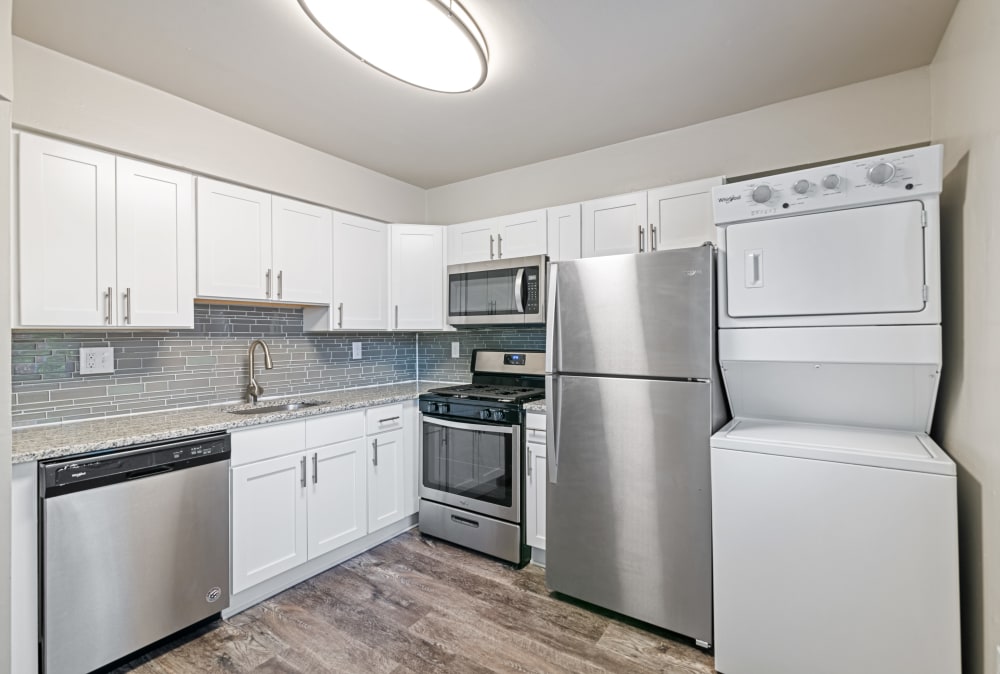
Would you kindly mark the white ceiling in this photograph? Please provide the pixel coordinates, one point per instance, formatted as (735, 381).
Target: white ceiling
(565, 75)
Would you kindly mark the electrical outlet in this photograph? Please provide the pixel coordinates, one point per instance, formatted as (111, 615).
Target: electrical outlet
(99, 360)
(356, 350)
(454, 349)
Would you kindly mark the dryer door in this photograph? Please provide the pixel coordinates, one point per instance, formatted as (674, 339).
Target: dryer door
(854, 261)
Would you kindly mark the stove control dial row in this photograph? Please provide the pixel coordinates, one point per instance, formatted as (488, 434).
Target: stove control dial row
(491, 415)
(437, 408)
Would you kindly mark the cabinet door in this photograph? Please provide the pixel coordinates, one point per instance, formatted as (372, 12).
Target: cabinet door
(564, 232)
(360, 273)
(156, 240)
(521, 234)
(535, 496)
(269, 519)
(386, 474)
(337, 512)
(471, 242)
(615, 225)
(234, 241)
(302, 236)
(66, 234)
(417, 260)
(680, 216)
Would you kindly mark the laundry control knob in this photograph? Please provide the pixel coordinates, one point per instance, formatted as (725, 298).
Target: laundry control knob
(831, 182)
(762, 194)
(801, 186)
(881, 173)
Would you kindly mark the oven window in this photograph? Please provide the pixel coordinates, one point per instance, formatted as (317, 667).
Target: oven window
(473, 464)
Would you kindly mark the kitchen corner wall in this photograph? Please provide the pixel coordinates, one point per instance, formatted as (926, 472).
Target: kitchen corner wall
(169, 369)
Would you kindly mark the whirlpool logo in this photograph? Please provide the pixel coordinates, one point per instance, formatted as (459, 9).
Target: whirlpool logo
(730, 199)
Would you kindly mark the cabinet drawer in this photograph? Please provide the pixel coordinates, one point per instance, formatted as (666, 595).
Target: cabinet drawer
(535, 421)
(385, 418)
(331, 428)
(534, 435)
(265, 442)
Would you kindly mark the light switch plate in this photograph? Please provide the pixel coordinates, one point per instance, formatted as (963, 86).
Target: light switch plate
(97, 360)
(454, 349)
(356, 350)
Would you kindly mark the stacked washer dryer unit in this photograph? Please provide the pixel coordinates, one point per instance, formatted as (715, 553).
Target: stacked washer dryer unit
(834, 514)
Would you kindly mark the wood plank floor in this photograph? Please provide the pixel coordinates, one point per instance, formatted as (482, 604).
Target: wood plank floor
(416, 604)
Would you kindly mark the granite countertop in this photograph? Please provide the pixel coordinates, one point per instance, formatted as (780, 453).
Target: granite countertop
(46, 442)
(535, 406)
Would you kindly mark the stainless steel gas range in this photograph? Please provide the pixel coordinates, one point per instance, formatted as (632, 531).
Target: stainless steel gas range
(472, 465)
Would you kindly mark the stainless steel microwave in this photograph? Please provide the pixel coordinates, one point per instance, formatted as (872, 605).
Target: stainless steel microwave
(497, 292)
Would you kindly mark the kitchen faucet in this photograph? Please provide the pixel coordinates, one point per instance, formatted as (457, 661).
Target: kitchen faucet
(254, 390)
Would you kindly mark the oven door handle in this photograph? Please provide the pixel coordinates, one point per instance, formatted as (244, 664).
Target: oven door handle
(519, 290)
(486, 428)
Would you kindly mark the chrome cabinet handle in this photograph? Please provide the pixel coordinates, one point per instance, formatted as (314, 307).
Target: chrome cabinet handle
(107, 306)
(340, 310)
(280, 284)
(267, 280)
(518, 290)
(375, 452)
(388, 419)
(528, 467)
(128, 305)
(315, 467)
(499, 246)
(397, 316)
(303, 471)
(491, 246)
(642, 239)
(652, 237)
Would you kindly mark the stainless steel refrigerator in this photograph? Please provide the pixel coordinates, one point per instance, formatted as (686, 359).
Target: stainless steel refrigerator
(633, 395)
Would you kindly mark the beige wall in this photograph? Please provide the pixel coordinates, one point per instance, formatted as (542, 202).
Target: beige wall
(62, 96)
(885, 112)
(965, 112)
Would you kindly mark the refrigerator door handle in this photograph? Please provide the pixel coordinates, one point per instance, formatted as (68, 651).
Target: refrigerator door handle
(550, 318)
(552, 419)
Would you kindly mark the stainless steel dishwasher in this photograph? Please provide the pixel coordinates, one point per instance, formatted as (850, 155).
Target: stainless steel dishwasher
(135, 547)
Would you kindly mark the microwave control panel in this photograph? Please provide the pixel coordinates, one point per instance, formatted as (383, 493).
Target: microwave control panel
(531, 283)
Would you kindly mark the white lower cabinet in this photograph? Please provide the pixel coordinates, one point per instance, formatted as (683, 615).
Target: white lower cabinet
(268, 519)
(535, 479)
(303, 489)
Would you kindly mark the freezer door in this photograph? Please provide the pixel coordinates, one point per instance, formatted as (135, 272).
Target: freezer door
(629, 512)
(648, 315)
(853, 261)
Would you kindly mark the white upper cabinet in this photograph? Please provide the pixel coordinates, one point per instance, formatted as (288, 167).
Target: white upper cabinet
(360, 273)
(521, 234)
(101, 241)
(506, 236)
(471, 242)
(302, 240)
(680, 216)
(417, 277)
(66, 234)
(614, 225)
(564, 232)
(234, 241)
(156, 245)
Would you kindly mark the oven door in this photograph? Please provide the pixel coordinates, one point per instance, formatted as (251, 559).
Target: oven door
(472, 466)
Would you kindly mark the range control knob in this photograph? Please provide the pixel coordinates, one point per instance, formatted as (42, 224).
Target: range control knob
(881, 173)
(831, 181)
(432, 407)
(762, 194)
(497, 415)
(801, 186)
(485, 415)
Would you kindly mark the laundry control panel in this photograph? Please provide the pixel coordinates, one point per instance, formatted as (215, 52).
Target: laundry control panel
(848, 184)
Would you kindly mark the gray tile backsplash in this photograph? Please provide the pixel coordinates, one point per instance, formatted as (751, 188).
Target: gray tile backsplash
(166, 369)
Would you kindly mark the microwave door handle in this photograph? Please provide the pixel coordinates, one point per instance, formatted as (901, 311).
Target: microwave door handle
(519, 290)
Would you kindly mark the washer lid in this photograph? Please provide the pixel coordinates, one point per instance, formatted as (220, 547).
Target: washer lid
(902, 450)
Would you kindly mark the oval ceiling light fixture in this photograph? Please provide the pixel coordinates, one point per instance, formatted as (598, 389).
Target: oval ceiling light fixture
(432, 44)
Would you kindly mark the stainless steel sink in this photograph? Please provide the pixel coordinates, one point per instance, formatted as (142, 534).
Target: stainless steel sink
(288, 407)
